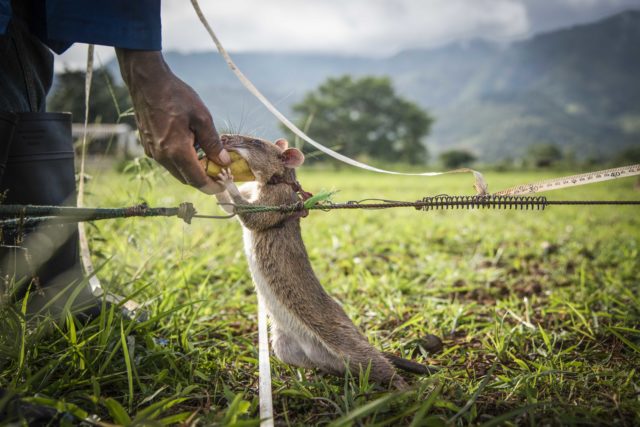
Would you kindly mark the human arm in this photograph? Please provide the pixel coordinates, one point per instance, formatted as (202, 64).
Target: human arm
(171, 118)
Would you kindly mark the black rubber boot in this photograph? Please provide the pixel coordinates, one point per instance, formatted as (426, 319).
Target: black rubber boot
(40, 170)
(13, 259)
(7, 127)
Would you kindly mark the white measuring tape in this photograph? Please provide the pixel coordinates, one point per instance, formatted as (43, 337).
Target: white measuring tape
(264, 368)
(571, 181)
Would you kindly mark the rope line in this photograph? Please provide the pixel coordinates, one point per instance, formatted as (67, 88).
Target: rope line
(440, 202)
(32, 215)
(12, 216)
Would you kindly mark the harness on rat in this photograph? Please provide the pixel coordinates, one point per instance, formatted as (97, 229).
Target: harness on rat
(298, 208)
(295, 186)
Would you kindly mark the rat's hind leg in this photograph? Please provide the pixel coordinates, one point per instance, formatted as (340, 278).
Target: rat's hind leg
(307, 352)
(324, 359)
(358, 356)
(287, 348)
(304, 352)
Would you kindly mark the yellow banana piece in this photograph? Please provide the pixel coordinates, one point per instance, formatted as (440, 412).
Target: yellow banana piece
(239, 168)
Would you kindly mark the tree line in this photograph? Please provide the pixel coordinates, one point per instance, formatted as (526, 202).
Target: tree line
(363, 118)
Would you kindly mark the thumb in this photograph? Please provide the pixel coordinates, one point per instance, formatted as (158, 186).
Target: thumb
(206, 136)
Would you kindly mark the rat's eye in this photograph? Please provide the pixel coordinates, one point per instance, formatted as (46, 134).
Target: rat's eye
(255, 142)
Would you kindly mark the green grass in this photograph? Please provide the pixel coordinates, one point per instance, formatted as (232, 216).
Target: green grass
(539, 312)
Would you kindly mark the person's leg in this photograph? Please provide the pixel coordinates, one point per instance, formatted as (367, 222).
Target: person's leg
(26, 67)
(38, 169)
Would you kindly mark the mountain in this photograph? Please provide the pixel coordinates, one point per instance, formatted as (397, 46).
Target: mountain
(578, 88)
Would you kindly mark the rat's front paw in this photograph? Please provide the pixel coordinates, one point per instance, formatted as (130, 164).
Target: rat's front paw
(225, 178)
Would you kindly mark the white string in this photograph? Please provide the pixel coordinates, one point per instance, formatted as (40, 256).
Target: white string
(85, 253)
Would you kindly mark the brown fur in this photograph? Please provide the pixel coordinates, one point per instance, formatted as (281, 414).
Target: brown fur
(282, 259)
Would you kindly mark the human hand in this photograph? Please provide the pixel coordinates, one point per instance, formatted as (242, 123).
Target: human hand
(171, 118)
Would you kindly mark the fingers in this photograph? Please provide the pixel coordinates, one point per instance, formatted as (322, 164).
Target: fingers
(208, 139)
(172, 169)
(178, 156)
(186, 163)
(146, 138)
(170, 122)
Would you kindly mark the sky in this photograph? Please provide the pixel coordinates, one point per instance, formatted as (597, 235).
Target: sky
(360, 27)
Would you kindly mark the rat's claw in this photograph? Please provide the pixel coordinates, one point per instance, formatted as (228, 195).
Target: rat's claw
(229, 174)
(225, 176)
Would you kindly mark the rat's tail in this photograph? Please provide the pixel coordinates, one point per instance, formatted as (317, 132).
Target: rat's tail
(410, 366)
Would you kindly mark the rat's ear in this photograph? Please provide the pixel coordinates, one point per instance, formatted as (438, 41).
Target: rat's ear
(282, 143)
(292, 158)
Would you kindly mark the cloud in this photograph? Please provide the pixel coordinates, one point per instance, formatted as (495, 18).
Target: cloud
(76, 57)
(362, 27)
(353, 27)
(550, 15)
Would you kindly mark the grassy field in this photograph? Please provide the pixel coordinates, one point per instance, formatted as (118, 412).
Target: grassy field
(539, 312)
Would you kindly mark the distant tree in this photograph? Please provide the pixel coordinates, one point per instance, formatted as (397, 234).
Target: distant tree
(628, 156)
(454, 159)
(366, 117)
(107, 99)
(543, 155)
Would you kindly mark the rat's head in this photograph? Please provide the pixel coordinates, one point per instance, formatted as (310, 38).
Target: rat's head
(265, 159)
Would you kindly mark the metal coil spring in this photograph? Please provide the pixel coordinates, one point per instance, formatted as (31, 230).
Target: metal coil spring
(444, 201)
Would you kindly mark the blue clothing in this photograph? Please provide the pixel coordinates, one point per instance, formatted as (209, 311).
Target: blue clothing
(130, 24)
(5, 15)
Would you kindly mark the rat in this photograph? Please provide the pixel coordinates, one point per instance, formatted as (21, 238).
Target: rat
(309, 329)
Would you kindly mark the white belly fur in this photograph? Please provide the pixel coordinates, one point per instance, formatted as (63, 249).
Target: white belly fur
(280, 316)
(277, 312)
